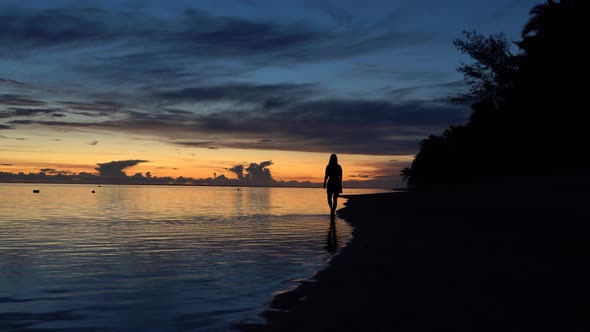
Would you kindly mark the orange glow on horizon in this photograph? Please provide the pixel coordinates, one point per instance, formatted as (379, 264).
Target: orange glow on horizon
(81, 152)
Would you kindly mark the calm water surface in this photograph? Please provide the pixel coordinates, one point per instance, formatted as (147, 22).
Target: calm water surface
(155, 258)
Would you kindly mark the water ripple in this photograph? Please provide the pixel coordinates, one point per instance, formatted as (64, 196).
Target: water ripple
(159, 258)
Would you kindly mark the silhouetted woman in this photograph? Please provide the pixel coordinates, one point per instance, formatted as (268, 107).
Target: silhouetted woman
(334, 179)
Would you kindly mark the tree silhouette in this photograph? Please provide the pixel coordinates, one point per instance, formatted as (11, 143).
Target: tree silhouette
(554, 45)
(493, 70)
(526, 107)
(546, 22)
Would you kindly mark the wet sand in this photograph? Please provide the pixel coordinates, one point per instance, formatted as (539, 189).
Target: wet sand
(463, 260)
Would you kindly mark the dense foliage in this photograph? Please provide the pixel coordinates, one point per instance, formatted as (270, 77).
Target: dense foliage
(527, 114)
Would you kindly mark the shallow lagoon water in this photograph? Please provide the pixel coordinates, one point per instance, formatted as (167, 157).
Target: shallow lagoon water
(155, 258)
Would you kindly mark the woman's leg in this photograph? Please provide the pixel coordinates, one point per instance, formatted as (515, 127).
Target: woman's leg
(335, 202)
(330, 200)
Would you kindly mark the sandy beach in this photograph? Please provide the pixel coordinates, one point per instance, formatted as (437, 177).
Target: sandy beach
(503, 259)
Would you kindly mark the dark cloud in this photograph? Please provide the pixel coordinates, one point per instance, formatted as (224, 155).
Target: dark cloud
(22, 122)
(200, 144)
(135, 47)
(277, 94)
(5, 164)
(349, 126)
(18, 100)
(15, 138)
(60, 123)
(236, 36)
(170, 59)
(238, 170)
(28, 30)
(115, 168)
(362, 176)
(357, 114)
(177, 111)
(13, 83)
(93, 143)
(3, 126)
(376, 127)
(259, 173)
(276, 102)
(27, 112)
(194, 31)
(94, 109)
(256, 173)
(420, 91)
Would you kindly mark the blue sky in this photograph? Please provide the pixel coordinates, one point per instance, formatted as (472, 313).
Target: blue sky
(358, 77)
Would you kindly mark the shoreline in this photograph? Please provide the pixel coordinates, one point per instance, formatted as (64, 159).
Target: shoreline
(460, 260)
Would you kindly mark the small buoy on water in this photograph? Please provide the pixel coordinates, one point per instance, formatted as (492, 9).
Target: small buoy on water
(238, 189)
(93, 191)
(36, 191)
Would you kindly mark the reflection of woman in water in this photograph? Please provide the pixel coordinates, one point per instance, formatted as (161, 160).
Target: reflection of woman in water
(334, 178)
(332, 240)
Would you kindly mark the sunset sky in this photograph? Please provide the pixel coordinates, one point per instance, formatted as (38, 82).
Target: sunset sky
(196, 87)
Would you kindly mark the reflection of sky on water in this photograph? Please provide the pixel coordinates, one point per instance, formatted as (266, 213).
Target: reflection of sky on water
(153, 256)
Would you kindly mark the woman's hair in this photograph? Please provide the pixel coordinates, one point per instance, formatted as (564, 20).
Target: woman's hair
(333, 159)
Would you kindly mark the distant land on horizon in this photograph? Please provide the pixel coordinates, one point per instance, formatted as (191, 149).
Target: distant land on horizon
(241, 175)
(140, 179)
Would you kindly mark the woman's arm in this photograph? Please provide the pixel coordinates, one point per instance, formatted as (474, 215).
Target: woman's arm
(326, 177)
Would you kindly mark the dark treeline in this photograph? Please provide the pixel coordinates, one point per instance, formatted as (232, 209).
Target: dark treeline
(91, 178)
(250, 175)
(140, 178)
(255, 174)
(65, 177)
(527, 115)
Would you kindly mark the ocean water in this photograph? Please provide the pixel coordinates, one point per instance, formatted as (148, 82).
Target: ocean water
(155, 258)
